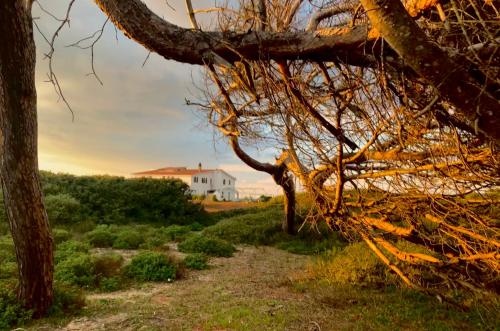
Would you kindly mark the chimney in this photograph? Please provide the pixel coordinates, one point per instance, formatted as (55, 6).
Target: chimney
(199, 166)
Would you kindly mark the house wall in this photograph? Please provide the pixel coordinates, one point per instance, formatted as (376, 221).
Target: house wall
(218, 181)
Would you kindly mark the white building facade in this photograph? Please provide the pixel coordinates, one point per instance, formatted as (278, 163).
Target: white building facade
(201, 181)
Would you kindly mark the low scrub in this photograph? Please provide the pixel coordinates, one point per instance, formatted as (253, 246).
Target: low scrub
(101, 237)
(152, 266)
(67, 300)
(176, 232)
(196, 261)
(128, 239)
(77, 269)
(68, 248)
(207, 245)
(12, 312)
(60, 235)
(355, 264)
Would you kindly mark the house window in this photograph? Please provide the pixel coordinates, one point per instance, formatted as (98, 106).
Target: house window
(229, 182)
(196, 179)
(224, 182)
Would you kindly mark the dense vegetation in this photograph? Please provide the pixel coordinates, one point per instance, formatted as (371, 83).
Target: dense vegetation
(111, 200)
(96, 252)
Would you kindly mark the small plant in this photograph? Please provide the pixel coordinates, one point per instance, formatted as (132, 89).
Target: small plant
(12, 312)
(67, 300)
(176, 232)
(128, 239)
(101, 237)
(77, 269)
(107, 265)
(152, 266)
(68, 248)
(196, 226)
(196, 261)
(110, 284)
(60, 235)
(207, 245)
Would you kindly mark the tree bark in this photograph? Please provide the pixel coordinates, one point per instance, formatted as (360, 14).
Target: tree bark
(18, 157)
(451, 79)
(280, 176)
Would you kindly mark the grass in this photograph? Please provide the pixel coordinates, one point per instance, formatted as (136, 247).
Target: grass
(258, 288)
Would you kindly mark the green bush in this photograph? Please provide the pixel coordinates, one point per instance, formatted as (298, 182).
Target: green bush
(60, 235)
(207, 245)
(8, 270)
(152, 266)
(67, 300)
(260, 227)
(101, 237)
(176, 232)
(107, 265)
(196, 226)
(128, 239)
(153, 242)
(7, 252)
(196, 261)
(110, 284)
(12, 312)
(62, 208)
(77, 269)
(68, 248)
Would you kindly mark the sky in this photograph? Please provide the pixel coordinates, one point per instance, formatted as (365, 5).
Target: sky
(137, 120)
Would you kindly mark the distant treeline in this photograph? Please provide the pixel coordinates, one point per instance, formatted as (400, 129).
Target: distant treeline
(107, 199)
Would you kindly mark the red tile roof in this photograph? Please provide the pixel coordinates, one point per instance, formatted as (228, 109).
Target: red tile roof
(169, 171)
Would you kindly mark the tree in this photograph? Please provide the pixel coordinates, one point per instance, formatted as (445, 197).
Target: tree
(382, 99)
(18, 159)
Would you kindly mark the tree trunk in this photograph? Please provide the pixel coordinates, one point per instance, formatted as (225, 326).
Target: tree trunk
(288, 186)
(18, 157)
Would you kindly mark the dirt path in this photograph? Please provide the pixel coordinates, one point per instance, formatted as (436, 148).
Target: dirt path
(250, 291)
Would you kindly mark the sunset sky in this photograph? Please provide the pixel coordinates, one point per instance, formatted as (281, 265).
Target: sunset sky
(137, 120)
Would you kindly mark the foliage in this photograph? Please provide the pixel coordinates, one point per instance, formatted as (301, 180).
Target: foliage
(107, 265)
(60, 235)
(152, 266)
(207, 245)
(11, 310)
(128, 239)
(62, 208)
(117, 200)
(355, 264)
(196, 261)
(101, 236)
(68, 248)
(67, 300)
(175, 232)
(77, 269)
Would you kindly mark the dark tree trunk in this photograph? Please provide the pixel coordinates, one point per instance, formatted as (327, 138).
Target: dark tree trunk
(18, 157)
(288, 186)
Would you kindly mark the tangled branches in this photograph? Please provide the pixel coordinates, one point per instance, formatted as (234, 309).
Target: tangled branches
(385, 156)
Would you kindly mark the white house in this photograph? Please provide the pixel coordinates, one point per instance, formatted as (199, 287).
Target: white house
(201, 181)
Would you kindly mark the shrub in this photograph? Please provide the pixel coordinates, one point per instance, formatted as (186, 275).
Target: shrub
(355, 264)
(8, 270)
(196, 261)
(60, 235)
(108, 264)
(151, 266)
(11, 310)
(101, 237)
(261, 227)
(196, 226)
(153, 241)
(62, 208)
(207, 245)
(77, 269)
(7, 252)
(67, 300)
(68, 248)
(128, 239)
(176, 232)
(110, 284)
